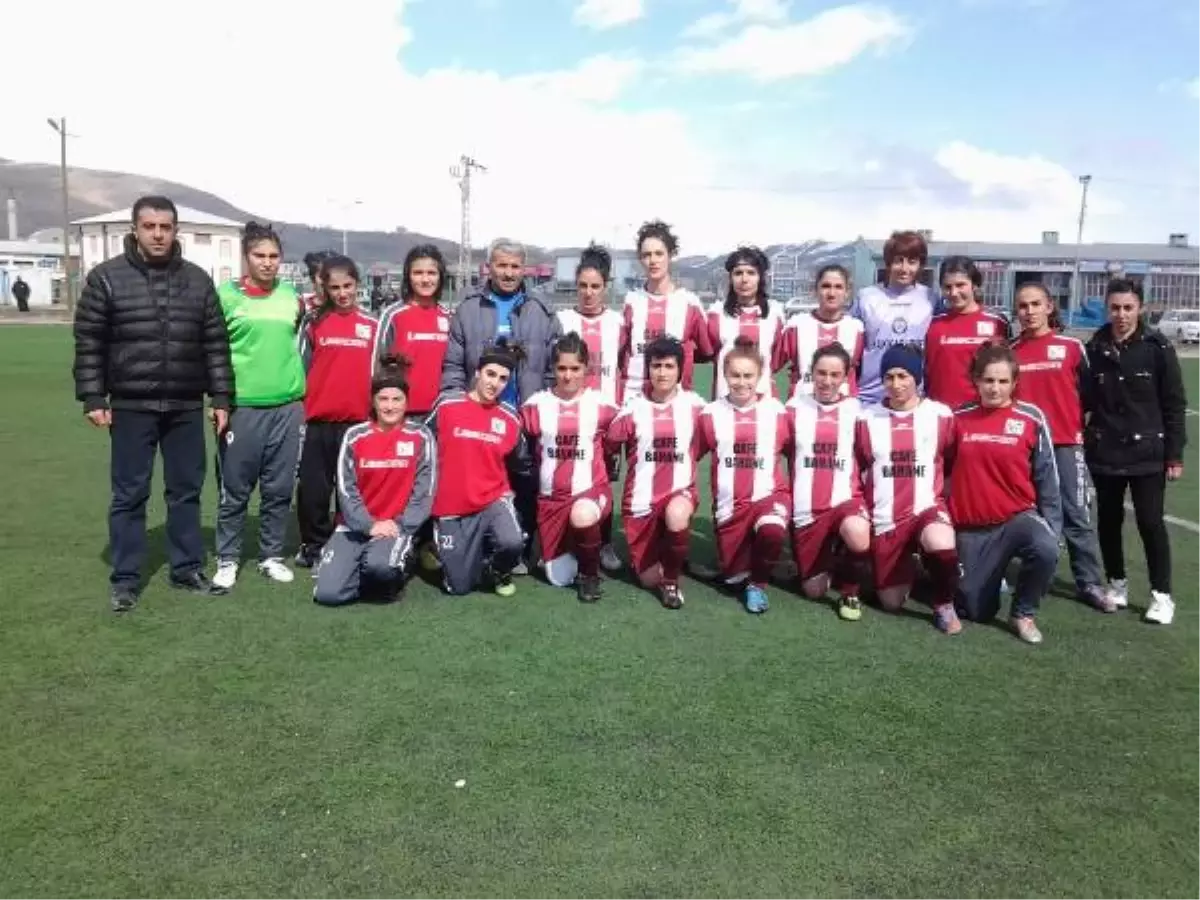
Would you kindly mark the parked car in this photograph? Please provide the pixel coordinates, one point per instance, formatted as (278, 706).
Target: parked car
(1181, 325)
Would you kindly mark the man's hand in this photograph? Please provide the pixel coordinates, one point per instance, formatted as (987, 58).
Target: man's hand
(1174, 471)
(101, 418)
(384, 528)
(220, 419)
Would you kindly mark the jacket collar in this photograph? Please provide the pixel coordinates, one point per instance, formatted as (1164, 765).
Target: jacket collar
(135, 258)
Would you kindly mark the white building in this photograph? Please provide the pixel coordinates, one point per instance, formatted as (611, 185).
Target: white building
(211, 242)
(39, 264)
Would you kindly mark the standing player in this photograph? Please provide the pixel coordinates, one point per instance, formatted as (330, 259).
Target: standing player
(567, 424)
(607, 339)
(894, 313)
(661, 309)
(746, 431)
(336, 344)
(418, 328)
(901, 445)
(1004, 496)
(807, 333)
(955, 335)
(746, 313)
(1053, 377)
(832, 534)
(478, 443)
(658, 431)
(387, 476)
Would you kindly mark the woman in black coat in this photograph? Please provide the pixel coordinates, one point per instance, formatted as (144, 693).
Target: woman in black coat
(1134, 438)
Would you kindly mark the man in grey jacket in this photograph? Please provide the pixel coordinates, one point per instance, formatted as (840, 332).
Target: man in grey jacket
(504, 310)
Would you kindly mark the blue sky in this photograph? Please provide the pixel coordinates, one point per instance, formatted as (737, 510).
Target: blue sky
(761, 120)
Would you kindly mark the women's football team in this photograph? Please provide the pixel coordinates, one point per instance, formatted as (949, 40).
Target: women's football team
(955, 471)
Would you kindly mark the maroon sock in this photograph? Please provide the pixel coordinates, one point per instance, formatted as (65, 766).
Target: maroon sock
(606, 530)
(942, 566)
(764, 553)
(587, 550)
(848, 572)
(673, 551)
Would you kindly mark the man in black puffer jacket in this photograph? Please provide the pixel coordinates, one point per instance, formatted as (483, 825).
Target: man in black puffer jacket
(150, 341)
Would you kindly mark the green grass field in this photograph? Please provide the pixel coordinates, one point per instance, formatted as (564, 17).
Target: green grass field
(256, 745)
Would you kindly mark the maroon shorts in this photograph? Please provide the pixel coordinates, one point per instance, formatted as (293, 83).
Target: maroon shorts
(554, 519)
(816, 544)
(642, 533)
(892, 552)
(735, 537)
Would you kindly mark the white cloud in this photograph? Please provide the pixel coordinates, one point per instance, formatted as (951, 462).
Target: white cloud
(713, 24)
(1193, 88)
(829, 39)
(604, 14)
(285, 146)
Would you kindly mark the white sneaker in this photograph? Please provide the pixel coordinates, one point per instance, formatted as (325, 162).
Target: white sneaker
(275, 570)
(609, 561)
(1118, 589)
(226, 575)
(1162, 609)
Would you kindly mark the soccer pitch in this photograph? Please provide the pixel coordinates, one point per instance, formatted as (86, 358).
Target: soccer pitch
(257, 745)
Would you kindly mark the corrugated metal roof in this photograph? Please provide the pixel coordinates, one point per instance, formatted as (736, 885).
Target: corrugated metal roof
(187, 216)
(988, 250)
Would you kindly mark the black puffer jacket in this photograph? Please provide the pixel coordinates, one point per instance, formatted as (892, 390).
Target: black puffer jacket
(150, 337)
(1136, 403)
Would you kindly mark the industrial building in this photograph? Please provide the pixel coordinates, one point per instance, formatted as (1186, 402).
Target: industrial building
(1169, 272)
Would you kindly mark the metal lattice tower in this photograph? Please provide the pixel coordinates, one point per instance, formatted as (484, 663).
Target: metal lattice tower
(462, 174)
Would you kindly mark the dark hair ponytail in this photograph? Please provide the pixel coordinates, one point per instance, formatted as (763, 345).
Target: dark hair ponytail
(595, 257)
(392, 373)
(573, 344)
(254, 233)
(747, 256)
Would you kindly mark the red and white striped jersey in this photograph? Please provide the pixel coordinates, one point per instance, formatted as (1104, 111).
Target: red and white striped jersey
(569, 438)
(747, 452)
(723, 330)
(825, 471)
(607, 339)
(805, 334)
(649, 316)
(660, 441)
(902, 455)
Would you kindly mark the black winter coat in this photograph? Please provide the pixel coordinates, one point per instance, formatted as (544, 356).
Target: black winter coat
(150, 337)
(1136, 404)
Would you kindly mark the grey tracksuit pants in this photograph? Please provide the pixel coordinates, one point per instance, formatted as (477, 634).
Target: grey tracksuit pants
(260, 447)
(350, 558)
(1078, 528)
(466, 543)
(984, 555)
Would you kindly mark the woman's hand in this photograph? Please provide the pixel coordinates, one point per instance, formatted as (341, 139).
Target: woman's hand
(1174, 471)
(383, 529)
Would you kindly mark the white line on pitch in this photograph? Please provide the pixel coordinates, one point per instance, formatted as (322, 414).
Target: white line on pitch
(1174, 520)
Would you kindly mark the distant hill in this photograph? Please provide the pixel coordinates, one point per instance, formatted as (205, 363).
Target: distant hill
(38, 191)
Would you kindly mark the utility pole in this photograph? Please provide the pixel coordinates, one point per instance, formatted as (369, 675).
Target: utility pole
(462, 174)
(1076, 294)
(61, 127)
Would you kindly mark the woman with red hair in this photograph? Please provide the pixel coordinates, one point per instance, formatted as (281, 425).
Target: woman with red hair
(896, 312)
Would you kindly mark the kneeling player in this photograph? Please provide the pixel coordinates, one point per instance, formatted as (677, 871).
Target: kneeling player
(657, 429)
(478, 442)
(746, 433)
(567, 424)
(386, 477)
(832, 536)
(1004, 496)
(901, 445)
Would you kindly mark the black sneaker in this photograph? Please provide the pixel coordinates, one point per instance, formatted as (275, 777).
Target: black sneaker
(123, 599)
(307, 557)
(589, 589)
(196, 583)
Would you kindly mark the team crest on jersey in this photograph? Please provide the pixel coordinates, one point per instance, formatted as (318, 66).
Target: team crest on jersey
(1056, 351)
(985, 329)
(362, 331)
(405, 448)
(498, 426)
(443, 324)
(899, 325)
(1014, 426)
